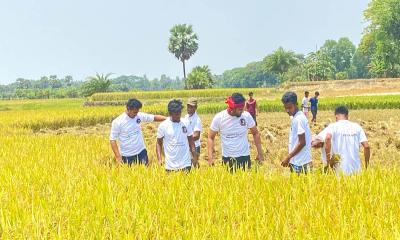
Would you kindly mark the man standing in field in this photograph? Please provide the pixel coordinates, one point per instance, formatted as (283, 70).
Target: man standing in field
(299, 158)
(127, 131)
(176, 138)
(345, 138)
(194, 122)
(251, 107)
(233, 125)
(314, 107)
(304, 103)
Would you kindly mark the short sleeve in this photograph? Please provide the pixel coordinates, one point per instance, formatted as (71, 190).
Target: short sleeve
(362, 136)
(198, 125)
(115, 130)
(160, 131)
(145, 117)
(215, 123)
(189, 130)
(301, 126)
(250, 121)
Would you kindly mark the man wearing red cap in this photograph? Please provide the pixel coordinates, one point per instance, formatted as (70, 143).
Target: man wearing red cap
(233, 124)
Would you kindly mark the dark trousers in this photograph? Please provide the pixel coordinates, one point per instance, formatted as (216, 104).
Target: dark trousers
(139, 159)
(254, 118)
(185, 170)
(234, 164)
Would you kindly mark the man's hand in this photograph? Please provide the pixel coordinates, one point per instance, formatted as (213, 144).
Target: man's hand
(118, 159)
(285, 162)
(260, 157)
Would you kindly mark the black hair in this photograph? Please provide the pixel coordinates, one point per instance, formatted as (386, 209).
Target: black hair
(289, 97)
(317, 93)
(175, 106)
(238, 98)
(342, 110)
(133, 103)
(306, 92)
(250, 93)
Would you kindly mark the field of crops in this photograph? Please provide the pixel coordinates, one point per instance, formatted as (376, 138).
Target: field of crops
(58, 180)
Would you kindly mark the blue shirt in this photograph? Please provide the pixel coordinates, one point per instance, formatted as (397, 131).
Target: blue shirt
(314, 103)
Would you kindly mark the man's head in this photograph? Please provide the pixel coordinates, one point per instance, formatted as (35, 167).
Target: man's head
(341, 113)
(289, 100)
(236, 104)
(191, 106)
(132, 107)
(306, 93)
(175, 110)
(316, 94)
(251, 95)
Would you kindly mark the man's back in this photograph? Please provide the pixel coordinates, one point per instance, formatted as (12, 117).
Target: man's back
(346, 139)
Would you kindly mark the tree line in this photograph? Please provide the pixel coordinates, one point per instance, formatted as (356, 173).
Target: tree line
(377, 55)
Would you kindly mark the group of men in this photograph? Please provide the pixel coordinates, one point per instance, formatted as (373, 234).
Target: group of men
(178, 138)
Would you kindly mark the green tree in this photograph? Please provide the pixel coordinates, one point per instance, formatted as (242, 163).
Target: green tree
(280, 61)
(95, 84)
(381, 39)
(200, 78)
(183, 43)
(319, 66)
(341, 53)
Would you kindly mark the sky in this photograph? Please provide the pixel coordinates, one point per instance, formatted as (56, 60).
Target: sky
(130, 37)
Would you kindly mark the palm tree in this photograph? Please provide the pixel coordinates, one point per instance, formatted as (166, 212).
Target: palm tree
(97, 83)
(183, 44)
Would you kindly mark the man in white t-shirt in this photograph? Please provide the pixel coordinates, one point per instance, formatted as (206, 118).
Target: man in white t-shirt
(175, 136)
(127, 131)
(194, 121)
(345, 138)
(233, 125)
(305, 103)
(299, 157)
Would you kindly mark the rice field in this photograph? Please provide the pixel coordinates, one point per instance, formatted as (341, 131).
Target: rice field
(58, 180)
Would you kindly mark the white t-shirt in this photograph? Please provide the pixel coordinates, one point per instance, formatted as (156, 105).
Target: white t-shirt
(233, 132)
(304, 103)
(175, 143)
(128, 132)
(299, 126)
(195, 123)
(346, 139)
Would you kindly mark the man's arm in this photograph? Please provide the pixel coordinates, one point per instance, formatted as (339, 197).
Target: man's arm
(327, 146)
(159, 150)
(159, 118)
(196, 135)
(367, 153)
(210, 146)
(115, 149)
(195, 156)
(299, 146)
(257, 142)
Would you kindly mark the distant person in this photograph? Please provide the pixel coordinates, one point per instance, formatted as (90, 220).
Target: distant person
(175, 137)
(127, 131)
(233, 125)
(299, 157)
(345, 138)
(305, 103)
(251, 107)
(194, 121)
(314, 107)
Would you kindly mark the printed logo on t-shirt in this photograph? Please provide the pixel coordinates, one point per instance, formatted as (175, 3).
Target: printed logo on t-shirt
(184, 129)
(138, 120)
(242, 122)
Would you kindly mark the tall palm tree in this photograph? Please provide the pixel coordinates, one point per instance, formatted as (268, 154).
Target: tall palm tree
(97, 83)
(183, 44)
